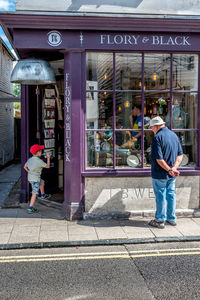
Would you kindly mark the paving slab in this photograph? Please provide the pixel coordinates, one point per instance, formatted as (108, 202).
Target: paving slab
(52, 222)
(138, 232)
(28, 222)
(4, 238)
(11, 173)
(54, 227)
(81, 230)
(83, 237)
(53, 236)
(7, 220)
(23, 239)
(110, 233)
(168, 231)
(8, 213)
(6, 228)
(196, 220)
(188, 227)
(20, 230)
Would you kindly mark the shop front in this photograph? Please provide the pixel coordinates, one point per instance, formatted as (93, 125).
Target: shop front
(111, 81)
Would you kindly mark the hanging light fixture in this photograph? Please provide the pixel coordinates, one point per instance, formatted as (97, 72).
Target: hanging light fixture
(127, 104)
(33, 71)
(155, 76)
(180, 117)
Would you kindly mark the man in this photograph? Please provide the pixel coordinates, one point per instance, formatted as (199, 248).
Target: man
(166, 156)
(136, 124)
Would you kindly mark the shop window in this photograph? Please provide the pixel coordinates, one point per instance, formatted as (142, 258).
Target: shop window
(128, 71)
(124, 91)
(185, 72)
(100, 70)
(99, 107)
(189, 144)
(157, 71)
(184, 111)
(99, 149)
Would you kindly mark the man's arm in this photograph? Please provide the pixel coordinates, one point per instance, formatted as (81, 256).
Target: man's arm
(172, 171)
(177, 162)
(137, 135)
(162, 163)
(166, 167)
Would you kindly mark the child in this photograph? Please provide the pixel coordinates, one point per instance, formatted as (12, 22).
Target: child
(34, 166)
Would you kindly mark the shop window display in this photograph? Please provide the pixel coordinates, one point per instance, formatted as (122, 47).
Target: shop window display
(124, 91)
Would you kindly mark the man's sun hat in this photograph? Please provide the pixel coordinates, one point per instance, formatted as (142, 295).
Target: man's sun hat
(35, 148)
(156, 121)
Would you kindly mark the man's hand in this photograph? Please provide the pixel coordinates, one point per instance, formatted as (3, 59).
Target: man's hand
(173, 172)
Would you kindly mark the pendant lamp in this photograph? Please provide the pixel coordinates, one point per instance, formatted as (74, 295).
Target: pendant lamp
(33, 71)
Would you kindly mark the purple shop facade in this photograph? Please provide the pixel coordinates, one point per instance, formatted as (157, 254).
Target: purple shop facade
(48, 36)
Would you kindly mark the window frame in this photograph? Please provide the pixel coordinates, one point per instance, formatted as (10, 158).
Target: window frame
(140, 171)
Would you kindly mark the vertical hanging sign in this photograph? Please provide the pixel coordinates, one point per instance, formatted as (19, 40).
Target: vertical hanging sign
(67, 119)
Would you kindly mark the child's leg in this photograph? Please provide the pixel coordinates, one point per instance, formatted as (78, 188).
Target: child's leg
(33, 198)
(35, 191)
(43, 195)
(42, 187)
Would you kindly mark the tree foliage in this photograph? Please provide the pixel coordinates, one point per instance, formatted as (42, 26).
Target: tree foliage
(17, 89)
(17, 93)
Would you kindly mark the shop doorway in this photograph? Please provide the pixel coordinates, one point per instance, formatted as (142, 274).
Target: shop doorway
(51, 119)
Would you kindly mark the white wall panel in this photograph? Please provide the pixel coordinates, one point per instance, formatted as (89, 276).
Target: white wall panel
(6, 108)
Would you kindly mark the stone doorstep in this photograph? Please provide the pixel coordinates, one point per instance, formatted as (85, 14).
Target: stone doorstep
(117, 215)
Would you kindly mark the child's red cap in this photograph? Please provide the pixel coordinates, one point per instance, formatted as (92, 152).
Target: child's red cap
(35, 148)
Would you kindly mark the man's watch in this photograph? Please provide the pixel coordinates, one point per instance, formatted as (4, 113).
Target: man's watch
(170, 169)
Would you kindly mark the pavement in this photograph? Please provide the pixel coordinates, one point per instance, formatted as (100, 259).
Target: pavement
(18, 229)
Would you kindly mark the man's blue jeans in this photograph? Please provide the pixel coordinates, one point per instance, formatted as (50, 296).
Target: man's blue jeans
(164, 190)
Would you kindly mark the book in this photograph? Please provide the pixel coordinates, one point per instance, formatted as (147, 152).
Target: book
(50, 93)
(49, 123)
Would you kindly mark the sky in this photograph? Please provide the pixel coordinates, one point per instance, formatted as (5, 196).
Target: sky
(6, 5)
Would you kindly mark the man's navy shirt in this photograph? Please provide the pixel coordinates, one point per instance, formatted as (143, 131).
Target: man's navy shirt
(166, 146)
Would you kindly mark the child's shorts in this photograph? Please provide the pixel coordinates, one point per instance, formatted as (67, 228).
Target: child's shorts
(36, 186)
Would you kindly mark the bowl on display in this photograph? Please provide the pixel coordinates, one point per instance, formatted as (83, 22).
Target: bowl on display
(133, 161)
(122, 150)
(185, 160)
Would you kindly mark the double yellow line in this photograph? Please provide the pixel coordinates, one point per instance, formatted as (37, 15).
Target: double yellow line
(100, 255)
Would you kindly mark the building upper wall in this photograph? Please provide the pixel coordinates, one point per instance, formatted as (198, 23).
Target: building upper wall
(6, 67)
(185, 7)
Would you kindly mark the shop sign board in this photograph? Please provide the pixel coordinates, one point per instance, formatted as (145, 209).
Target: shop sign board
(67, 119)
(63, 39)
